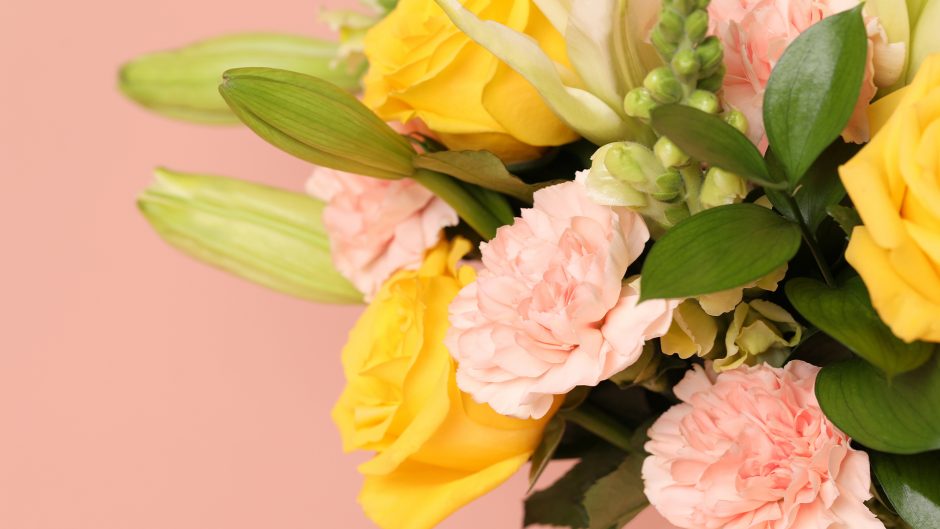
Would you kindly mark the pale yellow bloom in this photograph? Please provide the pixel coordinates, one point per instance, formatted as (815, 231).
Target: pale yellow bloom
(760, 331)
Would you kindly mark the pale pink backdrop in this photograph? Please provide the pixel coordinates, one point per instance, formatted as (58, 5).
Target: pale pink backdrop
(139, 389)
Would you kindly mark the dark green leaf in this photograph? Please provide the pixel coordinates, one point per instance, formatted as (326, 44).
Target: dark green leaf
(912, 485)
(544, 452)
(898, 416)
(847, 218)
(562, 503)
(709, 139)
(481, 168)
(813, 89)
(317, 122)
(618, 497)
(846, 314)
(718, 249)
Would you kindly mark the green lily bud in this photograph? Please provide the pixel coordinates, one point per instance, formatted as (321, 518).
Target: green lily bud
(269, 236)
(737, 119)
(696, 25)
(317, 122)
(760, 331)
(704, 100)
(713, 82)
(663, 85)
(685, 63)
(669, 154)
(722, 187)
(671, 25)
(663, 45)
(710, 54)
(183, 83)
(638, 103)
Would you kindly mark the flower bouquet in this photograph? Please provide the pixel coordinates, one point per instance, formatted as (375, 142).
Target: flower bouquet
(693, 245)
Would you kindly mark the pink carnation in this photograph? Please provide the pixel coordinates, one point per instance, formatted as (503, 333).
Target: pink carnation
(750, 448)
(755, 34)
(548, 312)
(377, 227)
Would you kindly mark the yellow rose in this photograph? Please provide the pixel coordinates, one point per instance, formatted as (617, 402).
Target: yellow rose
(422, 66)
(895, 184)
(436, 449)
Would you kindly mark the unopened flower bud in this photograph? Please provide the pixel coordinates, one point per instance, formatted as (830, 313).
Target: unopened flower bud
(638, 103)
(682, 6)
(710, 54)
(702, 4)
(632, 163)
(696, 25)
(608, 189)
(737, 119)
(664, 46)
(704, 100)
(663, 85)
(671, 25)
(685, 62)
(721, 188)
(668, 186)
(669, 154)
(713, 82)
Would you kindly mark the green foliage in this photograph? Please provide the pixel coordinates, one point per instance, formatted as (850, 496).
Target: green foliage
(551, 438)
(718, 249)
(846, 314)
(813, 89)
(897, 416)
(481, 168)
(615, 499)
(912, 486)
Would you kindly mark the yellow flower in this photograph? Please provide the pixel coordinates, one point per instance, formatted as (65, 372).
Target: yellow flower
(436, 449)
(422, 66)
(895, 184)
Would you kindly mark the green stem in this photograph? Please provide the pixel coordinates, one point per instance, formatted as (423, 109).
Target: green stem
(477, 215)
(692, 177)
(601, 424)
(811, 241)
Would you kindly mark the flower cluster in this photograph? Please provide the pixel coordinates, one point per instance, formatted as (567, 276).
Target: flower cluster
(693, 243)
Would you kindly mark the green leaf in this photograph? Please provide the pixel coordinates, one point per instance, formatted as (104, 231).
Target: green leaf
(271, 237)
(551, 438)
(813, 90)
(481, 168)
(183, 83)
(898, 416)
(709, 139)
(912, 486)
(562, 503)
(718, 249)
(847, 218)
(846, 314)
(618, 497)
(317, 122)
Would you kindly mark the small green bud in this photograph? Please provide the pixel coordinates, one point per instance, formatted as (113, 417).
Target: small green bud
(663, 85)
(668, 186)
(682, 6)
(710, 54)
(671, 26)
(633, 163)
(696, 25)
(638, 103)
(665, 48)
(607, 189)
(737, 119)
(669, 154)
(702, 4)
(685, 63)
(704, 100)
(713, 82)
(721, 188)
(269, 236)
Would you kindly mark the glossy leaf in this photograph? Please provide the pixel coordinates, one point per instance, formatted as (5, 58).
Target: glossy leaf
(912, 486)
(813, 90)
(551, 438)
(897, 416)
(718, 249)
(846, 314)
(618, 497)
(709, 139)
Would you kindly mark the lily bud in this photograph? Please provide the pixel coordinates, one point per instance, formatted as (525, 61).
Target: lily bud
(669, 154)
(696, 25)
(722, 187)
(272, 237)
(710, 54)
(663, 85)
(183, 83)
(760, 331)
(638, 103)
(317, 122)
(704, 100)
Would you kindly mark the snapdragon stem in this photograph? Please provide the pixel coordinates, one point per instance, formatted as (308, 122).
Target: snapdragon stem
(601, 424)
(476, 214)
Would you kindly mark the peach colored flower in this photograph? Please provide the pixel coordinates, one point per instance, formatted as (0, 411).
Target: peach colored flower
(549, 310)
(751, 449)
(755, 34)
(378, 227)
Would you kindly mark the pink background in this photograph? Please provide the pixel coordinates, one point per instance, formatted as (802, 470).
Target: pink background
(139, 389)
